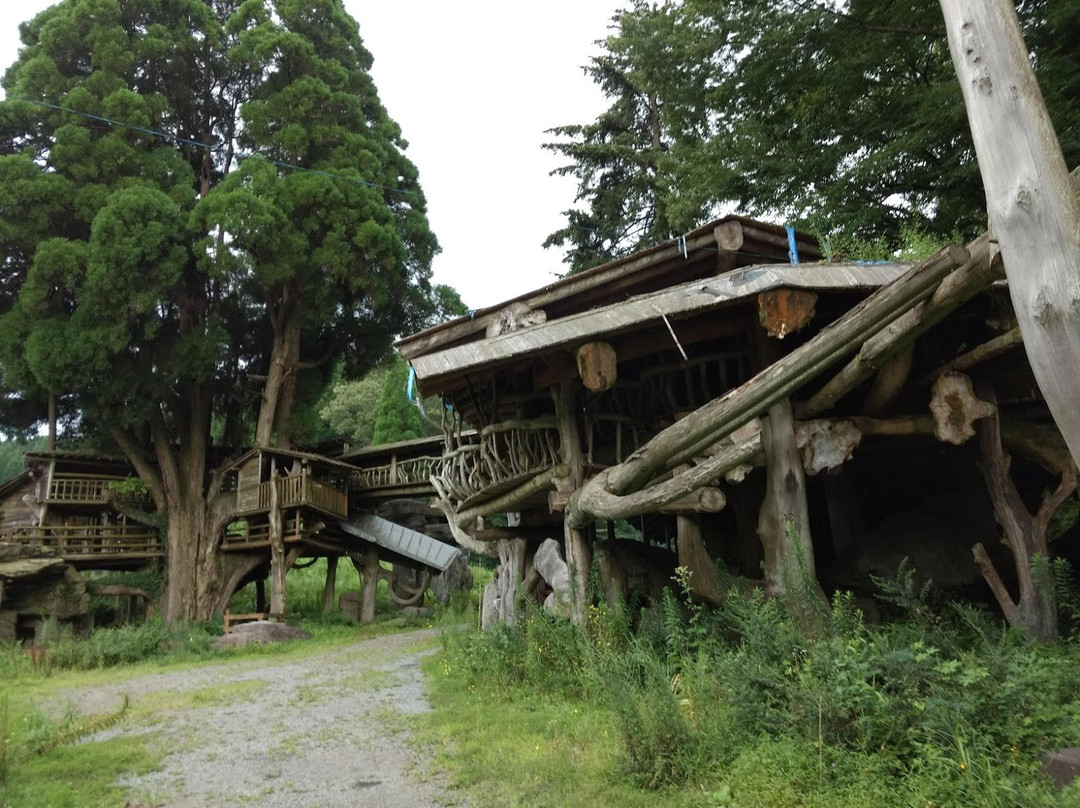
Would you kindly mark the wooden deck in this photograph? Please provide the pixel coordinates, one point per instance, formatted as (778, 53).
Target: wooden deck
(291, 492)
(93, 547)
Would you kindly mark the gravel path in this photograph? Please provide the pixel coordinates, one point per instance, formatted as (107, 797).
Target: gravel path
(324, 731)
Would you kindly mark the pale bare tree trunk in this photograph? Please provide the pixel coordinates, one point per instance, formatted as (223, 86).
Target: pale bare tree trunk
(1033, 211)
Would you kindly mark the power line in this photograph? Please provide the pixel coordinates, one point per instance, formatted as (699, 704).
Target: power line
(198, 144)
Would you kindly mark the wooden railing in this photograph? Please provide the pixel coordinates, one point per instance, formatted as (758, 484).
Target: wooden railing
(292, 491)
(498, 453)
(87, 488)
(397, 473)
(88, 541)
(243, 534)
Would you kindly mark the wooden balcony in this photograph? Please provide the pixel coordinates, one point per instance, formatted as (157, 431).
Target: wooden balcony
(296, 491)
(87, 489)
(254, 534)
(93, 545)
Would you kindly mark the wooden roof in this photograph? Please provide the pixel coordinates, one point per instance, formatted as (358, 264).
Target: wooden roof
(440, 370)
(716, 247)
(313, 459)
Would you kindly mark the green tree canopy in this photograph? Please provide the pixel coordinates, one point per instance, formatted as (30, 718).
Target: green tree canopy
(200, 204)
(398, 417)
(836, 117)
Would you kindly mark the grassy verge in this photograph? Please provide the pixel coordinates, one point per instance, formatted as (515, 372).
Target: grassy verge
(519, 747)
(679, 706)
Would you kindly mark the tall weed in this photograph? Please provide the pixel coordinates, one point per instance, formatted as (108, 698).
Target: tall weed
(947, 707)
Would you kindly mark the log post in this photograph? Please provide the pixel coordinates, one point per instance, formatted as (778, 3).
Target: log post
(704, 580)
(370, 573)
(331, 584)
(576, 542)
(784, 523)
(1033, 210)
(277, 548)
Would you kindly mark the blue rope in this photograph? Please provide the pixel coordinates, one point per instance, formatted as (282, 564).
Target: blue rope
(793, 247)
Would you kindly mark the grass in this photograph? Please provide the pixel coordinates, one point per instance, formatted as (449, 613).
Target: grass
(734, 707)
(42, 766)
(524, 748)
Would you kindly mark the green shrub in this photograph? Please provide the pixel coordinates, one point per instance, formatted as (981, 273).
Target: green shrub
(948, 708)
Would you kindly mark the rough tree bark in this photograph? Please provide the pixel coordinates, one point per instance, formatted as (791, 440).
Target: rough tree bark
(1035, 610)
(330, 586)
(1033, 211)
(577, 546)
(784, 522)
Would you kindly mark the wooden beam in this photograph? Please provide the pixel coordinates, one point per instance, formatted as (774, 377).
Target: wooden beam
(890, 380)
(879, 347)
(988, 350)
(573, 286)
(511, 499)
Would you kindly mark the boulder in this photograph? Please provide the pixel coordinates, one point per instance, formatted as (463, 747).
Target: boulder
(261, 631)
(553, 569)
(458, 577)
(1063, 765)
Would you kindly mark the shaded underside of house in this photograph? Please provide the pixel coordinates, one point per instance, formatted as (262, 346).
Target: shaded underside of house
(641, 414)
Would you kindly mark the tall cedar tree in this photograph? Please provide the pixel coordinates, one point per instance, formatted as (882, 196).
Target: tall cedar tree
(397, 417)
(200, 200)
(836, 117)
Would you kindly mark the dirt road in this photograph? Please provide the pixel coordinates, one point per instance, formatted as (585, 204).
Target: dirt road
(324, 731)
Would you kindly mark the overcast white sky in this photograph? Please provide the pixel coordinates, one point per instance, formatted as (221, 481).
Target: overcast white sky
(473, 84)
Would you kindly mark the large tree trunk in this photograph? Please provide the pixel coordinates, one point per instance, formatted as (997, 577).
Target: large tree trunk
(330, 586)
(1033, 211)
(283, 362)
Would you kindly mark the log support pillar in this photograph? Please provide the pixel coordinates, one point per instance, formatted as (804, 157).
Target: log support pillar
(575, 538)
(277, 550)
(784, 522)
(704, 580)
(331, 584)
(370, 572)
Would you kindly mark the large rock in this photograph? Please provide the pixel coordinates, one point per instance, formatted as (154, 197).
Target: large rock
(1063, 765)
(554, 570)
(458, 577)
(261, 631)
(349, 604)
(489, 607)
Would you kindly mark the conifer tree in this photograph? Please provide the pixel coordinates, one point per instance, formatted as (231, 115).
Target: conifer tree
(200, 202)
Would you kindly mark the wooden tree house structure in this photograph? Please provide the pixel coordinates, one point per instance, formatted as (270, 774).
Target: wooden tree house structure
(734, 399)
(89, 509)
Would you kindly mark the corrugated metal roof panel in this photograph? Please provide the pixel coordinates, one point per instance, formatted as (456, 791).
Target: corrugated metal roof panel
(399, 539)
